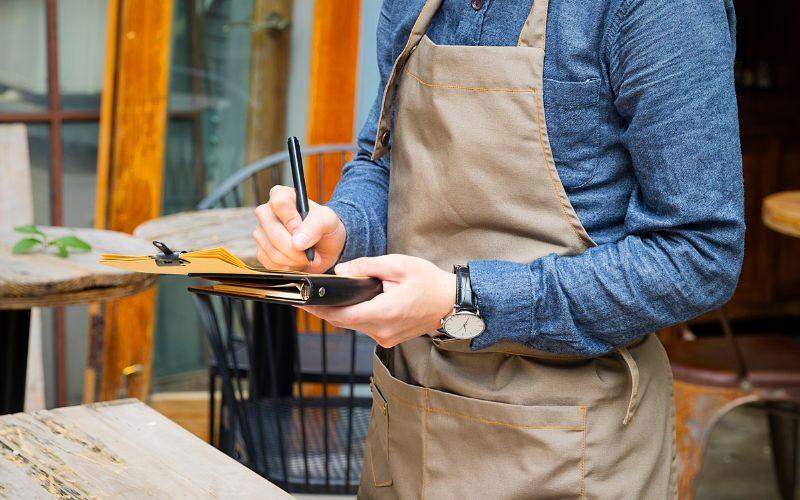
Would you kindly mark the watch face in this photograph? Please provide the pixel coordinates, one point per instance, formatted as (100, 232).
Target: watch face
(464, 325)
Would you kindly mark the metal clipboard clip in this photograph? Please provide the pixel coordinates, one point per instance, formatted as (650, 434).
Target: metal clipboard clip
(167, 257)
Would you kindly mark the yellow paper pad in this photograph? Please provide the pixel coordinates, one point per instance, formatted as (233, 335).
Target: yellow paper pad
(211, 261)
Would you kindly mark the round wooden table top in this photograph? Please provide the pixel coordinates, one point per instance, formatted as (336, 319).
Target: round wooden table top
(231, 228)
(781, 212)
(43, 279)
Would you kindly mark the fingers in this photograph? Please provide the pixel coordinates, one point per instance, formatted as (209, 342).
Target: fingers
(283, 202)
(381, 315)
(380, 310)
(272, 254)
(275, 249)
(385, 267)
(321, 221)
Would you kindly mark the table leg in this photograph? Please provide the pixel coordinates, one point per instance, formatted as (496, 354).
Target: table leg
(13, 359)
(273, 346)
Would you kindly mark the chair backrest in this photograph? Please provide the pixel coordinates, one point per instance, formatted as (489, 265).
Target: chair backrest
(16, 196)
(727, 330)
(245, 183)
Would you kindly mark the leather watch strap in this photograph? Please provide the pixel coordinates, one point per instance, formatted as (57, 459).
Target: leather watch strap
(465, 299)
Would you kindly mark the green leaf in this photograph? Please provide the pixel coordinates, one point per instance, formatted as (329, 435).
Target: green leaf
(62, 249)
(73, 242)
(25, 245)
(28, 229)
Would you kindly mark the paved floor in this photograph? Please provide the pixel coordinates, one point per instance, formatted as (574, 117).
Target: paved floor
(738, 462)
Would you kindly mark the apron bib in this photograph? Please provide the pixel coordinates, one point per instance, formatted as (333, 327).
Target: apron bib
(473, 177)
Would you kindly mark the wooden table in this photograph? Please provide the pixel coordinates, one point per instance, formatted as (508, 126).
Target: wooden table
(46, 280)
(121, 449)
(781, 212)
(231, 228)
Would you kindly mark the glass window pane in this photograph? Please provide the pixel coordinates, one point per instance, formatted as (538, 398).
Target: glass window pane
(23, 56)
(209, 84)
(180, 185)
(79, 165)
(81, 49)
(39, 147)
(206, 139)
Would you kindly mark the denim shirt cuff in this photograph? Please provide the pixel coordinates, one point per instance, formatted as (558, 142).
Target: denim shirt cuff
(355, 225)
(506, 298)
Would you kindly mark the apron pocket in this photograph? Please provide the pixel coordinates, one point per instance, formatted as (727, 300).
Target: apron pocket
(378, 440)
(484, 449)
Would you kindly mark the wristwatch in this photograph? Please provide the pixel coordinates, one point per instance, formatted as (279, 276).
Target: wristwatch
(464, 321)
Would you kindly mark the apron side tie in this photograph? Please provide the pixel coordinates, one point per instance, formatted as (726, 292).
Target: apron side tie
(633, 369)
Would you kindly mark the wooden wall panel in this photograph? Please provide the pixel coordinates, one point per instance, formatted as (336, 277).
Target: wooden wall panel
(333, 74)
(130, 169)
(269, 74)
(332, 97)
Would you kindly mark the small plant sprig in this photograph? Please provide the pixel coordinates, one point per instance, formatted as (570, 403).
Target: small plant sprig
(36, 240)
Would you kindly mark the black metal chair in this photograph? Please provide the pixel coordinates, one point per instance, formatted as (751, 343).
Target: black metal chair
(299, 432)
(250, 178)
(269, 418)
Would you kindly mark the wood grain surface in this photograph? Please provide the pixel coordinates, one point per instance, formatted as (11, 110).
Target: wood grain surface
(231, 228)
(269, 78)
(332, 92)
(130, 178)
(122, 449)
(781, 212)
(44, 279)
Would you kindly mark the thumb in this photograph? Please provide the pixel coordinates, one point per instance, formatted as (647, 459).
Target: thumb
(318, 224)
(385, 267)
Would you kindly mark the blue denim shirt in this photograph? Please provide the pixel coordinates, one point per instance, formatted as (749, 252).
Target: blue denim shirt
(641, 112)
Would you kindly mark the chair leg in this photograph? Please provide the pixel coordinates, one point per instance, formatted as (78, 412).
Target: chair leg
(212, 389)
(783, 433)
(697, 409)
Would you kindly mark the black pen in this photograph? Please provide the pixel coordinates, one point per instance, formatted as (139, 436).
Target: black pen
(299, 180)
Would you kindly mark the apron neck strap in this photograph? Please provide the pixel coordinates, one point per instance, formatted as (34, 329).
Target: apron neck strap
(417, 32)
(421, 25)
(533, 31)
(531, 35)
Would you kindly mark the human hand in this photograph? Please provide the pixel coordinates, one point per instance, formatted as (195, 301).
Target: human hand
(282, 236)
(416, 296)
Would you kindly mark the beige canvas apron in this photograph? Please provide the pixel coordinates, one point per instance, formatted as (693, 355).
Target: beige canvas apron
(473, 177)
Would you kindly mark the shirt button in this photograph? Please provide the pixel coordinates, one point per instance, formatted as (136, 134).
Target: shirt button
(477, 4)
(385, 138)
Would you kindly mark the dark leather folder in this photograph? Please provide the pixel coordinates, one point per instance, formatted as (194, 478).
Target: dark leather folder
(309, 289)
(235, 278)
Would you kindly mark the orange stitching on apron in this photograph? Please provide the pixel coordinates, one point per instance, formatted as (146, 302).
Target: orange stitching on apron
(440, 411)
(464, 87)
(583, 454)
(393, 76)
(372, 463)
(547, 154)
(424, 444)
(506, 424)
(545, 151)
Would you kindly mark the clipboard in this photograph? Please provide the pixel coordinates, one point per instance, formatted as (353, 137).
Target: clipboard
(232, 277)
